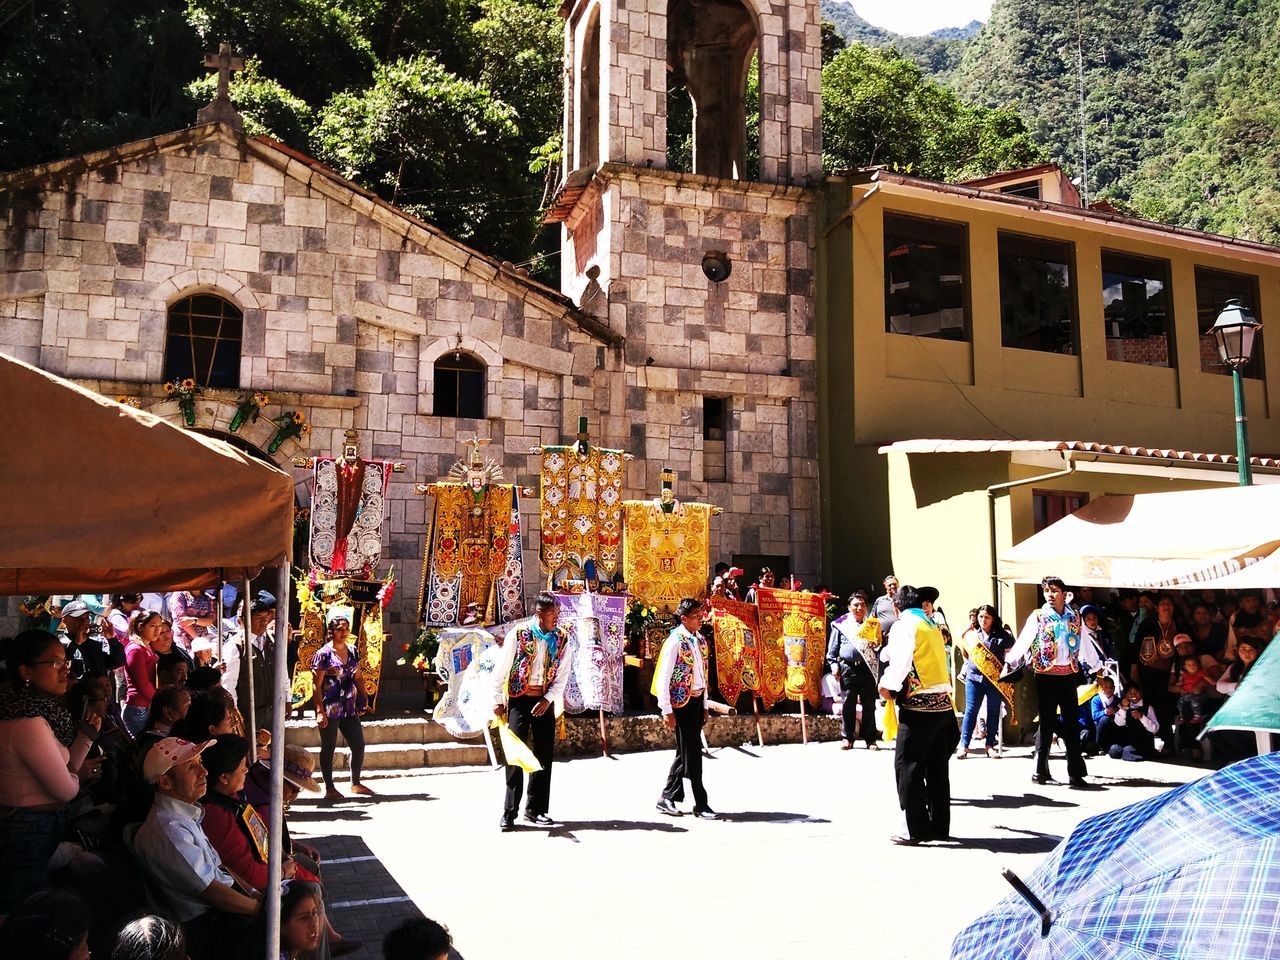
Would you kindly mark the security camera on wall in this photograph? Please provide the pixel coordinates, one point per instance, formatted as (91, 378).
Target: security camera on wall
(717, 266)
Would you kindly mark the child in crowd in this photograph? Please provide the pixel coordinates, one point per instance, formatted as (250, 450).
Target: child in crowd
(1135, 726)
(1190, 681)
(1102, 712)
(202, 652)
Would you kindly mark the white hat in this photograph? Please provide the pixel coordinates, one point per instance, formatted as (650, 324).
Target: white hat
(201, 644)
(167, 754)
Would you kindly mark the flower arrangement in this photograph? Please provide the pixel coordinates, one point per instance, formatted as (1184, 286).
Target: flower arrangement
(640, 617)
(302, 517)
(185, 392)
(305, 584)
(388, 589)
(251, 404)
(129, 401)
(421, 651)
(291, 423)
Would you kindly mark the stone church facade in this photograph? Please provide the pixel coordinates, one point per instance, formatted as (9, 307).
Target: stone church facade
(365, 318)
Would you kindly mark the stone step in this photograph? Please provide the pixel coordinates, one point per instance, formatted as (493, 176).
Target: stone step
(410, 757)
(394, 730)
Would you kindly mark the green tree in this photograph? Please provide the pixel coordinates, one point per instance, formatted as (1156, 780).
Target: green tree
(879, 108)
(431, 142)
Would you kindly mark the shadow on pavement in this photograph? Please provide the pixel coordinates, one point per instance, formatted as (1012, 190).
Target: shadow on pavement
(325, 813)
(1133, 782)
(1002, 801)
(1031, 842)
(762, 816)
(568, 828)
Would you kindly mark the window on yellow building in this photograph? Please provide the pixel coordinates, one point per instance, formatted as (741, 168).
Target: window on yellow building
(1136, 309)
(1050, 506)
(1213, 289)
(925, 268)
(1037, 294)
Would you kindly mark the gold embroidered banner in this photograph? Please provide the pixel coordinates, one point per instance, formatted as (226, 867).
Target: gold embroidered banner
(581, 510)
(665, 555)
(473, 550)
(793, 627)
(737, 632)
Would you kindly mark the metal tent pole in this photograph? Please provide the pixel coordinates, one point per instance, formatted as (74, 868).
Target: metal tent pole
(278, 696)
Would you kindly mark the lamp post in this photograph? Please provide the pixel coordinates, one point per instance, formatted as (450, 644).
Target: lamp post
(1235, 330)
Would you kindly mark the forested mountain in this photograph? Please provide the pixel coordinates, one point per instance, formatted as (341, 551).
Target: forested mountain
(937, 53)
(1181, 100)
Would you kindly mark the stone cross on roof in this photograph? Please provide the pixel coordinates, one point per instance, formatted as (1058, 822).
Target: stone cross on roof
(220, 109)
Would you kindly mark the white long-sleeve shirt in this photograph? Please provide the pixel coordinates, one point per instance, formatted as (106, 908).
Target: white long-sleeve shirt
(507, 657)
(1148, 717)
(667, 664)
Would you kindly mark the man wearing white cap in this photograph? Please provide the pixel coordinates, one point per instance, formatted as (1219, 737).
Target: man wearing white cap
(85, 652)
(181, 862)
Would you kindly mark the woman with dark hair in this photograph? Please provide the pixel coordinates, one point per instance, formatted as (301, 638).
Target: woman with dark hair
(338, 682)
(302, 921)
(979, 691)
(168, 706)
(49, 925)
(140, 663)
(151, 938)
(42, 759)
(120, 615)
(206, 718)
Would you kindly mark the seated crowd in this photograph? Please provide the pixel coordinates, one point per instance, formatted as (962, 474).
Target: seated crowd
(134, 810)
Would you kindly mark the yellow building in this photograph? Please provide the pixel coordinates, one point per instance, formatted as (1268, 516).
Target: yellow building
(1067, 348)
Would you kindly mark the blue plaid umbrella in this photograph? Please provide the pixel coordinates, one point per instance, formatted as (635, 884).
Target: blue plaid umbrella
(1193, 874)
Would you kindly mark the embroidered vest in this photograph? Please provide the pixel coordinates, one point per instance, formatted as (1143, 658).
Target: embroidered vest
(526, 650)
(928, 665)
(682, 672)
(1050, 631)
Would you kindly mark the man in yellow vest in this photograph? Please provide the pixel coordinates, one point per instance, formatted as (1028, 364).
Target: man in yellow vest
(915, 677)
(680, 684)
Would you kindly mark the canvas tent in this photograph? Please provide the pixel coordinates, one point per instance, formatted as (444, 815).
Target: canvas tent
(1255, 706)
(1227, 538)
(98, 496)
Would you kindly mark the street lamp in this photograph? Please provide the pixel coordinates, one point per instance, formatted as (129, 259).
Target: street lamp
(1235, 330)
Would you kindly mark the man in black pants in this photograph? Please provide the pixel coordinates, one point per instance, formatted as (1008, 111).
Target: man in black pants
(680, 684)
(854, 654)
(916, 679)
(530, 674)
(1052, 644)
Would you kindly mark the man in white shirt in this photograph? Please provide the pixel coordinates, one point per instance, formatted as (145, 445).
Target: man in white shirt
(181, 862)
(680, 684)
(530, 674)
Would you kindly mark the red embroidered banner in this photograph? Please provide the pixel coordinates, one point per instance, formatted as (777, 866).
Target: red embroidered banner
(793, 632)
(737, 632)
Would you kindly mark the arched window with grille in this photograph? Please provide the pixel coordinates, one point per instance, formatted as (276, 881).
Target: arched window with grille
(203, 341)
(459, 386)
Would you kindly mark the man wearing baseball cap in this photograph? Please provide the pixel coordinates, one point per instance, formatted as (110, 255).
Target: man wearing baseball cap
(86, 653)
(181, 863)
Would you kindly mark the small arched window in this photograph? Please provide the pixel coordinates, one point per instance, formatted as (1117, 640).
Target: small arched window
(203, 341)
(459, 386)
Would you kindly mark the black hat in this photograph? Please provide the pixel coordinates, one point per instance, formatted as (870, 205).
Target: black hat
(927, 594)
(263, 600)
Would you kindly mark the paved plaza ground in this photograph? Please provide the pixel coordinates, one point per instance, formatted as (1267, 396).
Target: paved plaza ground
(799, 866)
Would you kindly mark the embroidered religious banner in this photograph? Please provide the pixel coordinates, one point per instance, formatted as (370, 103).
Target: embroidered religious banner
(347, 507)
(459, 649)
(737, 634)
(473, 572)
(793, 627)
(581, 488)
(666, 555)
(598, 622)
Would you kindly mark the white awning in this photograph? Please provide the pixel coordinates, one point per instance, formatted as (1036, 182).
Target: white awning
(1218, 538)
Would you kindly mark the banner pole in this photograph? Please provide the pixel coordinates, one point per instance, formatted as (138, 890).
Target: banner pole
(755, 708)
(804, 723)
(604, 736)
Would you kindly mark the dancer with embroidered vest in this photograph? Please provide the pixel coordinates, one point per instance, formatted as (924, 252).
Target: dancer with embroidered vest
(680, 684)
(530, 675)
(915, 677)
(1051, 644)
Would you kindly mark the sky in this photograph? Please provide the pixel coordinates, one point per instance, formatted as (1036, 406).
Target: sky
(921, 16)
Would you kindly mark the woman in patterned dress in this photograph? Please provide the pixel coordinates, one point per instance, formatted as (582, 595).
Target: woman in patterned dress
(340, 700)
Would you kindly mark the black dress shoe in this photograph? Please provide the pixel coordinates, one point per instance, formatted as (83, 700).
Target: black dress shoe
(1043, 779)
(541, 820)
(903, 840)
(507, 823)
(1078, 782)
(706, 813)
(667, 807)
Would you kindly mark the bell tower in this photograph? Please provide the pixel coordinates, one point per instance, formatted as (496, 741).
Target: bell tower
(692, 149)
